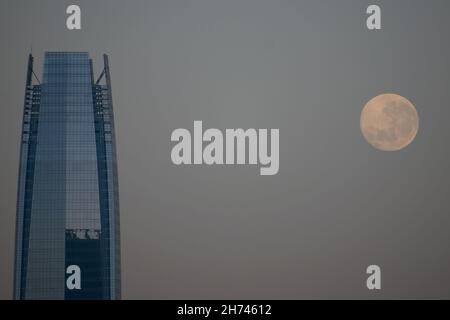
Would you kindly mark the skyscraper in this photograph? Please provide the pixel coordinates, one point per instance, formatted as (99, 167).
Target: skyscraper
(67, 202)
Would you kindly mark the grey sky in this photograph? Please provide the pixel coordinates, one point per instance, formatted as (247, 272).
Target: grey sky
(305, 67)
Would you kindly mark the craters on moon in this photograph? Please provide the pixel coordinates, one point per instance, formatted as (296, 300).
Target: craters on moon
(389, 122)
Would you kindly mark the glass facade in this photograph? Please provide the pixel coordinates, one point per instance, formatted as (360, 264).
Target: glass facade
(68, 206)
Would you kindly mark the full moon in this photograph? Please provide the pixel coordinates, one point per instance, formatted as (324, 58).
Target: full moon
(389, 122)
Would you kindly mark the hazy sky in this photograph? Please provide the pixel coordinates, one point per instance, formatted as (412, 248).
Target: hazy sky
(307, 68)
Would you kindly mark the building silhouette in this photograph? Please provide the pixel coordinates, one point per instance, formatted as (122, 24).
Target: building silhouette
(67, 202)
